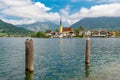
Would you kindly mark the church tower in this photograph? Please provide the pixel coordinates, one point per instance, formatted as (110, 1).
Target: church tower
(61, 27)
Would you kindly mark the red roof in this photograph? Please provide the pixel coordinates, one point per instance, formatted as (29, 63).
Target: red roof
(68, 29)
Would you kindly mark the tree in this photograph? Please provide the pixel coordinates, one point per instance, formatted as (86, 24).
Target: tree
(77, 30)
(41, 34)
(57, 30)
(81, 28)
(117, 33)
(33, 34)
(38, 34)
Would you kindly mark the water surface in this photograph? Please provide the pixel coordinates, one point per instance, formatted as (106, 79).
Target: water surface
(61, 59)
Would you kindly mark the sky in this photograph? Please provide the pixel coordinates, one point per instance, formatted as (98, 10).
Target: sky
(20, 12)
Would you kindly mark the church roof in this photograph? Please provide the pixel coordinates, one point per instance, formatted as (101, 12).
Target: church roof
(68, 29)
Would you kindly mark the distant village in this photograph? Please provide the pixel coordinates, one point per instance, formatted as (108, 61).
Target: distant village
(68, 32)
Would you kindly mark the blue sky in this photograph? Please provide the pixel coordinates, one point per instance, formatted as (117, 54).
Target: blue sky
(31, 11)
(56, 5)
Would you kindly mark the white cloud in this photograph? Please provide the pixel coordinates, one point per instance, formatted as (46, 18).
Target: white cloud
(26, 10)
(100, 1)
(1, 6)
(29, 12)
(11, 3)
(42, 6)
(101, 10)
(112, 10)
(111, 1)
(65, 11)
(23, 21)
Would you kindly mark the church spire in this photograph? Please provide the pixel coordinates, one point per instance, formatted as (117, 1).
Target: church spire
(60, 21)
(61, 28)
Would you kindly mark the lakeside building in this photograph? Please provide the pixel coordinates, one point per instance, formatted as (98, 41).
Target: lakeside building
(65, 31)
(97, 33)
(85, 33)
(50, 33)
(68, 32)
(102, 33)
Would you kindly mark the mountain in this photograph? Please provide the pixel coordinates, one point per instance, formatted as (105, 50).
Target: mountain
(11, 29)
(108, 23)
(40, 26)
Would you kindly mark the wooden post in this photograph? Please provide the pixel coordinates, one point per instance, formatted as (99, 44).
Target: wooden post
(87, 56)
(27, 48)
(29, 55)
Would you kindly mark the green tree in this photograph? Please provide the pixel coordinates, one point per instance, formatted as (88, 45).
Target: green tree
(81, 28)
(117, 33)
(57, 30)
(77, 30)
(33, 34)
(39, 34)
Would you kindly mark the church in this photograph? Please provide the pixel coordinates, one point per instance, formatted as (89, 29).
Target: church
(65, 31)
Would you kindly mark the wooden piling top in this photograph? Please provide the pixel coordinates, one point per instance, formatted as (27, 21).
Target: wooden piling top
(88, 38)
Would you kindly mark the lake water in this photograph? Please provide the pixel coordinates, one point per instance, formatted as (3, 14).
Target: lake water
(61, 59)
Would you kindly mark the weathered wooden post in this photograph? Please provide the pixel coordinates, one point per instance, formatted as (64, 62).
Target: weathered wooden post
(87, 56)
(29, 55)
(27, 49)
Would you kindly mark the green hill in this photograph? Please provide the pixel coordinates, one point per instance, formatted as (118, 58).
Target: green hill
(107, 23)
(10, 29)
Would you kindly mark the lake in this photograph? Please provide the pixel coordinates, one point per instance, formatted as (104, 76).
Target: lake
(61, 59)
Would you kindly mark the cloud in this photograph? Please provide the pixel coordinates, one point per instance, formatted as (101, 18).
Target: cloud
(23, 21)
(100, 1)
(102, 10)
(110, 10)
(42, 6)
(107, 1)
(26, 10)
(65, 11)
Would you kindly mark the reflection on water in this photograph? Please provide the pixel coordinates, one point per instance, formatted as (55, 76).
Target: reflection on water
(87, 70)
(29, 75)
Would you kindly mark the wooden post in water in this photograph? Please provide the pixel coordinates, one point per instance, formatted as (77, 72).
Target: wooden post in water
(27, 49)
(29, 55)
(87, 56)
